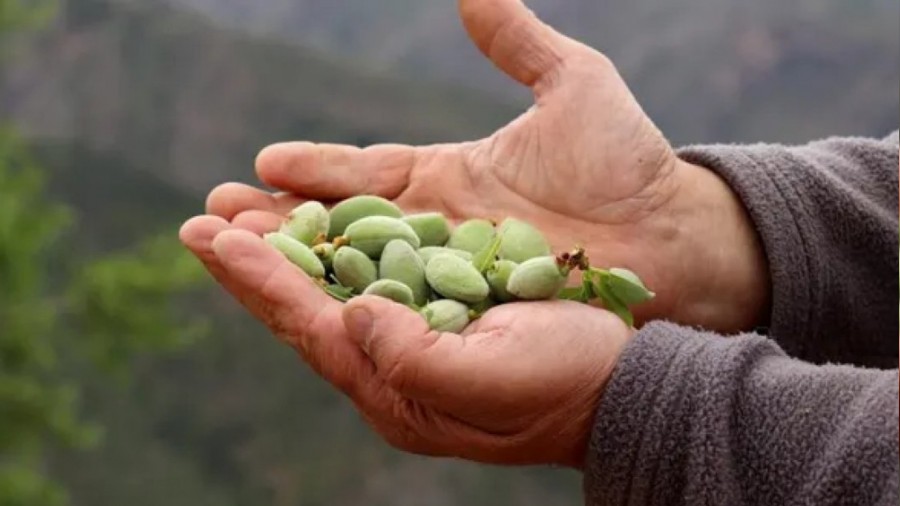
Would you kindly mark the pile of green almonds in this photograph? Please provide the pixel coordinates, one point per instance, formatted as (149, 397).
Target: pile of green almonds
(365, 245)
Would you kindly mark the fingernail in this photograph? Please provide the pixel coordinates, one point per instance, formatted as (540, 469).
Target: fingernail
(216, 244)
(359, 322)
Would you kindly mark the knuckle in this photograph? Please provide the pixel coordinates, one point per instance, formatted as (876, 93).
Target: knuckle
(409, 434)
(401, 372)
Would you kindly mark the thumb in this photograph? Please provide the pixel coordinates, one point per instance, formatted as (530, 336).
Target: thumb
(515, 40)
(414, 360)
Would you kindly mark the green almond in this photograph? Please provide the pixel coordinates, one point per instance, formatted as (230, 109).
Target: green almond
(354, 269)
(456, 279)
(371, 234)
(428, 252)
(521, 241)
(356, 208)
(297, 253)
(537, 279)
(446, 315)
(400, 262)
(306, 222)
(472, 235)
(498, 278)
(433, 229)
(390, 289)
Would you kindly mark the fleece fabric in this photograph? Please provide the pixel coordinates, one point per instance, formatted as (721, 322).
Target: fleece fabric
(806, 414)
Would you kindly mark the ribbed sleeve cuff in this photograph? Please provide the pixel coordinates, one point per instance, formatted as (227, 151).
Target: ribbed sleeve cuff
(763, 179)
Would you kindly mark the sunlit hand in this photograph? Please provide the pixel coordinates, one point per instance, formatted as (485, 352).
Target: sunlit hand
(520, 386)
(585, 164)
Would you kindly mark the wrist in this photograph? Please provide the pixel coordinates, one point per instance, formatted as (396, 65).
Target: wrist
(720, 262)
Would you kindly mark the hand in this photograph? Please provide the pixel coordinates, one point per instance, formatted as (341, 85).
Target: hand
(520, 386)
(584, 164)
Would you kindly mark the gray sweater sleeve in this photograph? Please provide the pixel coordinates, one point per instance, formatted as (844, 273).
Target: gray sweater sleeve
(827, 215)
(694, 418)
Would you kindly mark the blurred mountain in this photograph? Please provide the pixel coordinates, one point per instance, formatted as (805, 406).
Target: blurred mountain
(172, 94)
(705, 70)
(191, 100)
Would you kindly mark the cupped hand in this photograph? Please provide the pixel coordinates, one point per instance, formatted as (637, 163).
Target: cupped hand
(585, 164)
(519, 386)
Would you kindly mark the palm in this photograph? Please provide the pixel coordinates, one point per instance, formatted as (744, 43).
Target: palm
(563, 156)
(520, 385)
(556, 158)
(585, 165)
(437, 393)
(562, 166)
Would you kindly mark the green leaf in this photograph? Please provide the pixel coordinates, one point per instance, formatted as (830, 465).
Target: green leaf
(478, 310)
(588, 286)
(575, 293)
(610, 301)
(626, 286)
(339, 292)
(427, 313)
(583, 293)
(484, 259)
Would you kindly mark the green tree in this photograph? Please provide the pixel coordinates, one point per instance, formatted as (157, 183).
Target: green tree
(107, 310)
(18, 14)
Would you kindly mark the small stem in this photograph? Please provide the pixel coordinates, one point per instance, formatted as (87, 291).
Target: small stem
(575, 259)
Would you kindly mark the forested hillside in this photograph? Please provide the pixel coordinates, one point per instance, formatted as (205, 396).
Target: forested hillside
(191, 101)
(705, 70)
(172, 94)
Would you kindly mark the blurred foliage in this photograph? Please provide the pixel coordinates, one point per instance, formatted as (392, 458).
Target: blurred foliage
(124, 304)
(34, 406)
(110, 309)
(18, 14)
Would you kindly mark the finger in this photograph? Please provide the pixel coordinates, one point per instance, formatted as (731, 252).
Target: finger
(334, 171)
(293, 307)
(386, 330)
(341, 363)
(229, 199)
(258, 222)
(415, 361)
(291, 298)
(197, 235)
(442, 369)
(515, 40)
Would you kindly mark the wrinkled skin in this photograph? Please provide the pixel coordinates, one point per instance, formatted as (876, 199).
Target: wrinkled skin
(586, 166)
